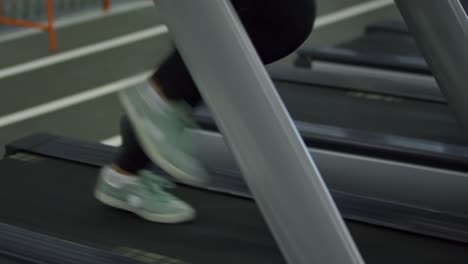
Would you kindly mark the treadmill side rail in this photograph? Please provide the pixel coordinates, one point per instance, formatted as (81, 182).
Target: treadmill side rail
(278, 169)
(25, 245)
(441, 32)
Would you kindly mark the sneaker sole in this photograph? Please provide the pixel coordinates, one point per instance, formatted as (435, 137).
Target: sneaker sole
(165, 219)
(153, 153)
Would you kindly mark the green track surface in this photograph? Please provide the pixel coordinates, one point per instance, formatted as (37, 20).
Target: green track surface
(87, 33)
(97, 119)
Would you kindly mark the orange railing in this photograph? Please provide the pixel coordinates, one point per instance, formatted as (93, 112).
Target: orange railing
(106, 5)
(47, 26)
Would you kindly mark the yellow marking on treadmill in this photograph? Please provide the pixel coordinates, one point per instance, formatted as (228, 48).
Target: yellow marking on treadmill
(147, 257)
(25, 157)
(375, 97)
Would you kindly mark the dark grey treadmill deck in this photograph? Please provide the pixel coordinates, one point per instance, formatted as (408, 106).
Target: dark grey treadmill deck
(366, 209)
(371, 112)
(385, 50)
(19, 245)
(55, 198)
(386, 44)
(371, 119)
(11, 260)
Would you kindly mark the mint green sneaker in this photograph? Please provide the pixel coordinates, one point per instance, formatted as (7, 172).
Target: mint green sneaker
(146, 197)
(159, 126)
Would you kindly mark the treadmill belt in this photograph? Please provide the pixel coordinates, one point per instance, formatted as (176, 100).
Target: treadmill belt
(54, 197)
(380, 43)
(384, 45)
(11, 260)
(383, 50)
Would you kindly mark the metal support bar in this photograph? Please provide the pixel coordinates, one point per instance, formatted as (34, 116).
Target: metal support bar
(278, 169)
(106, 5)
(50, 25)
(441, 31)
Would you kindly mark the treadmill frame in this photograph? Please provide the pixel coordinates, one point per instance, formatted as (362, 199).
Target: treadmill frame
(343, 248)
(443, 43)
(235, 85)
(386, 205)
(259, 131)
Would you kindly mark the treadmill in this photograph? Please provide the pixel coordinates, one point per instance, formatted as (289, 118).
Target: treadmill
(386, 45)
(384, 60)
(64, 224)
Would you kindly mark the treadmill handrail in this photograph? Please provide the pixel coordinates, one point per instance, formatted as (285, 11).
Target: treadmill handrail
(441, 32)
(234, 83)
(355, 78)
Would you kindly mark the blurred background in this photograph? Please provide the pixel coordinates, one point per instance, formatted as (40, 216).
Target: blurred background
(67, 85)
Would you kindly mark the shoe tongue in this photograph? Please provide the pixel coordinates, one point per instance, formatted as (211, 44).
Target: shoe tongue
(180, 108)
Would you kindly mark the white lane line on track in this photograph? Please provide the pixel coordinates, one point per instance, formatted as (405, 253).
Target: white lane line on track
(77, 19)
(71, 100)
(62, 103)
(83, 51)
(322, 21)
(350, 12)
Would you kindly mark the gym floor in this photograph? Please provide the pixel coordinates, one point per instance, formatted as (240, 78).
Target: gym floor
(72, 92)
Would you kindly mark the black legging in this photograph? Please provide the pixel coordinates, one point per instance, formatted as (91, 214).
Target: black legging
(276, 28)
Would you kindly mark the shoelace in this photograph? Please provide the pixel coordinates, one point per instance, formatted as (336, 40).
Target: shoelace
(156, 185)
